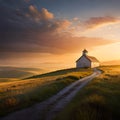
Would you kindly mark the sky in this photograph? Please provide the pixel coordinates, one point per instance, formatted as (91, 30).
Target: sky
(51, 34)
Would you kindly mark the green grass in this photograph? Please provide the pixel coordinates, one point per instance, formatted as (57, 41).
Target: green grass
(59, 72)
(20, 94)
(8, 73)
(99, 100)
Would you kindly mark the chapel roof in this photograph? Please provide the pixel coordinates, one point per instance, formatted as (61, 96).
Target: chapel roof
(90, 58)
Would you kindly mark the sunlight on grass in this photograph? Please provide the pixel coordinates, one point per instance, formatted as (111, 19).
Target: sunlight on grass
(23, 93)
(99, 100)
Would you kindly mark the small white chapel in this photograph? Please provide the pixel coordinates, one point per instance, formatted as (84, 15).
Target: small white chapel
(86, 61)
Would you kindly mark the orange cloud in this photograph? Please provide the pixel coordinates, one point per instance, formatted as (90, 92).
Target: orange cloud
(61, 24)
(40, 32)
(46, 15)
(69, 44)
(47, 19)
(94, 22)
(37, 15)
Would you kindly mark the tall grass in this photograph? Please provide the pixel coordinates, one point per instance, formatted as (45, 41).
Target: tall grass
(59, 72)
(20, 94)
(99, 100)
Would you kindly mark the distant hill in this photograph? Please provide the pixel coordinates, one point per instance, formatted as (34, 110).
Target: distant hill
(17, 72)
(112, 62)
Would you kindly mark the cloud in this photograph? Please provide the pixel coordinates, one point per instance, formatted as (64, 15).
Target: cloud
(30, 30)
(94, 22)
(75, 19)
(60, 24)
(37, 15)
(47, 42)
(43, 20)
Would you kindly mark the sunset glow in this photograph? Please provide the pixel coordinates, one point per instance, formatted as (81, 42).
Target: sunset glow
(52, 34)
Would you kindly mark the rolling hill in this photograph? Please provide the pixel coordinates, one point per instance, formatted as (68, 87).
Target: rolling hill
(17, 72)
(23, 93)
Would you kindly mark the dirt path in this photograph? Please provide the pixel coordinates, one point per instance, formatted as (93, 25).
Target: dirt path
(48, 109)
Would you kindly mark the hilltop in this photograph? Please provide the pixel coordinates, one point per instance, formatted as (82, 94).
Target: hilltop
(22, 93)
(59, 72)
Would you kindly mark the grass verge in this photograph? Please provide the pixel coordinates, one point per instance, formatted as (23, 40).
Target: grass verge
(99, 100)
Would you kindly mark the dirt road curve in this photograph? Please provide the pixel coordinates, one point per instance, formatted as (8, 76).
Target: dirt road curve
(48, 109)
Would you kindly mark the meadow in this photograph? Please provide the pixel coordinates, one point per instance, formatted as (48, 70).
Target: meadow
(15, 95)
(10, 74)
(99, 100)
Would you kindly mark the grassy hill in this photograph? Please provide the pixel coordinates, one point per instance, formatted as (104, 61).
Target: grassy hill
(23, 93)
(16, 73)
(59, 72)
(99, 100)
